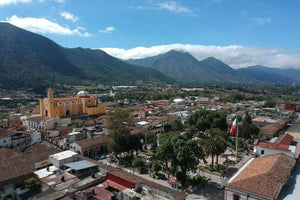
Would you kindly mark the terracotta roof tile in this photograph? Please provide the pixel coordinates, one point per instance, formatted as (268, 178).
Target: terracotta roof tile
(284, 139)
(265, 175)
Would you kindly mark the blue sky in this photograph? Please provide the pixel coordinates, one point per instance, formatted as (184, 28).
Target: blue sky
(125, 25)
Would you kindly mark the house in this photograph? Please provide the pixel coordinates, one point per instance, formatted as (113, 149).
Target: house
(260, 178)
(90, 147)
(283, 144)
(61, 158)
(72, 137)
(12, 138)
(17, 166)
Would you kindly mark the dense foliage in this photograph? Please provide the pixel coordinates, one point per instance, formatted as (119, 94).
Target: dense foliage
(29, 60)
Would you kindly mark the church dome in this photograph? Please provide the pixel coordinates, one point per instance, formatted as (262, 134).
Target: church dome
(83, 93)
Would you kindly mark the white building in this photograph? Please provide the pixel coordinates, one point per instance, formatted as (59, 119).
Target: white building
(59, 159)
(283, 144)
(260, 178)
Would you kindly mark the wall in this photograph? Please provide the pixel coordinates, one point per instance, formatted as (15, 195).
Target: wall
(243, 195)
(272, 152)
(120, 181)
(76, 148)
(5, 142)
(100, 109)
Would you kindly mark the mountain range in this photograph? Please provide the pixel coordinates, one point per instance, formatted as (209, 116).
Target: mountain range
(182, 66)
(30, 60)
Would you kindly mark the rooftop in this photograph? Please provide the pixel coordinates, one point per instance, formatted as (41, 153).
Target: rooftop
(80, 165)
(63, 155)
(264, 176)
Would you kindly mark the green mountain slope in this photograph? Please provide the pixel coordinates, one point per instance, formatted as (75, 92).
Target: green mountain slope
(184, 67)
(30, 60)
(290, 75)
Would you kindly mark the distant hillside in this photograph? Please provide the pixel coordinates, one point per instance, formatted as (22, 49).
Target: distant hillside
(184, 67)
(31, 60)
(290, 74)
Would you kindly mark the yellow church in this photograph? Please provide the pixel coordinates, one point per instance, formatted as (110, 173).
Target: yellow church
(81, 104)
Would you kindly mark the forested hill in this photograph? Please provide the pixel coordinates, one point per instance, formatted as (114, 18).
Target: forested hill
(184, 67)
(29, 60)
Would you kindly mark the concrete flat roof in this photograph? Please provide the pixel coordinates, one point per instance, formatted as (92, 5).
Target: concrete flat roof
(63, 155)
(42, 173)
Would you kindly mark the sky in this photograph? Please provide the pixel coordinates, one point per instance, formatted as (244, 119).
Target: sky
(239, 32)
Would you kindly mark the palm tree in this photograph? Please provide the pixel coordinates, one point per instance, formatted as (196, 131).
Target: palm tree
(214, 144)
(220, 147)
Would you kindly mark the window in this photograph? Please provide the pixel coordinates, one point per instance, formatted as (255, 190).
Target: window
(66, 103)
(236, 197)
(262, 152)
(4, 141)
(89, 101)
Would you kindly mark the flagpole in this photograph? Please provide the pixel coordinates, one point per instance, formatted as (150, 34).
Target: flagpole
(237, 137)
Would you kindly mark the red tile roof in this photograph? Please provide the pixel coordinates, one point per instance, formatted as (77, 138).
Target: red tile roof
(265, 175)
(14, 164)
(284, 139)
(281, 147)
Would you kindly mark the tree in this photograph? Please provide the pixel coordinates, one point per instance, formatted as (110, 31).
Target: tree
(165, 151)
(150, 138)
(247, 118)
(118, 125)
(138, 163)
(270, 104)
(204, 119)
(183, 154)
(32, 183)
(188, 154)
(214, 144)
(247, 128)
(156, 166)
(177, 126)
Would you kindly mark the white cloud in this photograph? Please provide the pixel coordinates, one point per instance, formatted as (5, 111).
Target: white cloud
(262, 21)
(234, 55)
(7, 2)
(42, 25)
(172, 6)
(69, 16)
(107, 30)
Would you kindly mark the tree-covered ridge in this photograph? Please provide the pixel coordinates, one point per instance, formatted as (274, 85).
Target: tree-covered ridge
(30, 60)
(184, 67)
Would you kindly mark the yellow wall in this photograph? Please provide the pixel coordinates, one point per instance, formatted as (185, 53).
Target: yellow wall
(96, 110)
(61, 107)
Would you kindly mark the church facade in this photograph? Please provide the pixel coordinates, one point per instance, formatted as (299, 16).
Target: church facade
(81, 104)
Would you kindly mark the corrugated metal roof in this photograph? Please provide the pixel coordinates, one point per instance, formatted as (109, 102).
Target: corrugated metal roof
(80, 165)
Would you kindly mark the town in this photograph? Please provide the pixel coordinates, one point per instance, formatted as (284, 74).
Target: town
(115, 142)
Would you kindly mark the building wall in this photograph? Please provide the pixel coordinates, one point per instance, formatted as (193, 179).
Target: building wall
(96, 110)
(272, 152)
(61, 107)
(76, 148)
(5, 142)
(120, 181)
(229, 195)
(60, 163)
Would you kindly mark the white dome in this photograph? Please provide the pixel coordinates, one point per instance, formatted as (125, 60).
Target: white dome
(83, 93)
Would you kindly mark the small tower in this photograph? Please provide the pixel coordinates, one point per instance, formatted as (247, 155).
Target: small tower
(50, 93)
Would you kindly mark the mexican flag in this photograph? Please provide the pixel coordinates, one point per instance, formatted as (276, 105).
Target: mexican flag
(234, 126)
